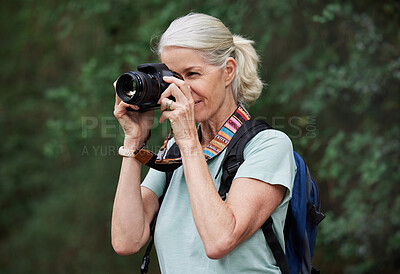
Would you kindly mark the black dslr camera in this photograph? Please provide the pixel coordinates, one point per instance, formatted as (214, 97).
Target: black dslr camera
(144, 87)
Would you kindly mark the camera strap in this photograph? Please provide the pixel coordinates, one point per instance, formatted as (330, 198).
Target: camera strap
(214, 148)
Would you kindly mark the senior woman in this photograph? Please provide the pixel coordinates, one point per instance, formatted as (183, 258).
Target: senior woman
(196, 231)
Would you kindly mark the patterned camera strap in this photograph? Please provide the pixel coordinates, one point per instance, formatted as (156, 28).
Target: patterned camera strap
(214, 148)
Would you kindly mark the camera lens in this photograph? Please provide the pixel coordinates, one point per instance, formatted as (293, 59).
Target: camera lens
(129, 87)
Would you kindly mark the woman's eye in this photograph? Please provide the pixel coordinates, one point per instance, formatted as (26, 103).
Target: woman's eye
(192, 73)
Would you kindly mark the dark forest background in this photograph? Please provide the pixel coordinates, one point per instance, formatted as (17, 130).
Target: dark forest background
(332, 70)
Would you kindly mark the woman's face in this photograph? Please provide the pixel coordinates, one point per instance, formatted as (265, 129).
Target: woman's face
(210, 85)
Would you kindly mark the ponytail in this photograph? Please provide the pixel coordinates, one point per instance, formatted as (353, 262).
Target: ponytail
(247, 83)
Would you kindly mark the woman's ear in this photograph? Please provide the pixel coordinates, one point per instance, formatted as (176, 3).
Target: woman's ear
(230, 71)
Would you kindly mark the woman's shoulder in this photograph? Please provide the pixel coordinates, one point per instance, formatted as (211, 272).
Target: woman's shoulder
(270, 138)
(268, 157)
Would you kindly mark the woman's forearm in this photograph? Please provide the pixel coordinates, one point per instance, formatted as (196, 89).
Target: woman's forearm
(128, 229)
(214, 220)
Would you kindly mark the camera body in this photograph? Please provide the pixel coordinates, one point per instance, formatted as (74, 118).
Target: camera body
(144, 86)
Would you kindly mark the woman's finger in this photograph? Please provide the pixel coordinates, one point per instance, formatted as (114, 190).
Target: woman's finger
(176, 81)
(165, 115)
(168, 104)
(173, 91)
(121, 108)
(177, 93)
(180, 84)
(117, 101)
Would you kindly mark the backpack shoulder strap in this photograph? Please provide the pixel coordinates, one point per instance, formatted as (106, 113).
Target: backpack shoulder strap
(234, 152)
(275, 246)
(230, 165)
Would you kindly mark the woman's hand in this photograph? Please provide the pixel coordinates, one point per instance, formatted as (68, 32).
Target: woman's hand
(180, 112)
(136, 125)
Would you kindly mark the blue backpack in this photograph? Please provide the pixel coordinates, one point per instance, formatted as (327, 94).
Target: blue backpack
(303, 214)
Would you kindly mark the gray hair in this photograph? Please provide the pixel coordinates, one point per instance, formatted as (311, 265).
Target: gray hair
(214, 40)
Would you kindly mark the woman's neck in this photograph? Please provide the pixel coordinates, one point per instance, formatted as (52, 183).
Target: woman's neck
(211, 127)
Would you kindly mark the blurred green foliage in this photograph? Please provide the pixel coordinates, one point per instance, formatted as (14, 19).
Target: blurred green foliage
(332, 70)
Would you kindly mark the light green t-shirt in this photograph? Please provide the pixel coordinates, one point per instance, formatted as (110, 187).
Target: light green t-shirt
(269, 158)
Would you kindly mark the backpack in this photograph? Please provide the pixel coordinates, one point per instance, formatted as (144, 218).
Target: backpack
(302, 217)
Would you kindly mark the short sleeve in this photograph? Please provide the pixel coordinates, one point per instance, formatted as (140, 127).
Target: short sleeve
(269, 157)
(155, 181)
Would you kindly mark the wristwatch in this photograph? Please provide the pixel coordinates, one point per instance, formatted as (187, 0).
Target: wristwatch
(127, 152)
(140, 154)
